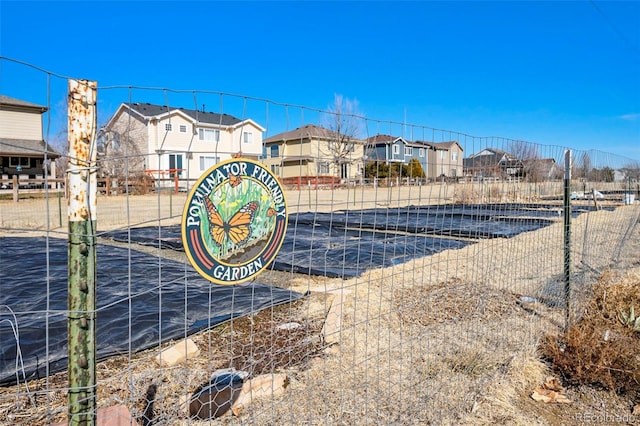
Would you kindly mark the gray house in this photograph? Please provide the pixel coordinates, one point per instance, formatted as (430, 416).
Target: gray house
(392, 149)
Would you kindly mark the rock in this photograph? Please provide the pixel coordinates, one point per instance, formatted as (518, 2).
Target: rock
(263, 386)
(177, 353)
(118, 415)
(288, 326)
(332, 328)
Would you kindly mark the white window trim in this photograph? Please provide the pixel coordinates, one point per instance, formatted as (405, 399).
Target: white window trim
(202, 163)
(183, 128)
(204, 131)
(168, 127)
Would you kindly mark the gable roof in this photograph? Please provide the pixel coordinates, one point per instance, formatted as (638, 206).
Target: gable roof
(495, 152)
(148, 110)
(27, 148)
(382, 139)
(445, 145)
(491, 157)
(7, 101)
(308, 131)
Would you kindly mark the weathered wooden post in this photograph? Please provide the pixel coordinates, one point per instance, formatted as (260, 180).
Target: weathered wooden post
(82, 186)
(14, 187)
(567, 236)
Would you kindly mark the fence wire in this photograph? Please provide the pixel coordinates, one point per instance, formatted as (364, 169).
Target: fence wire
(420, 270)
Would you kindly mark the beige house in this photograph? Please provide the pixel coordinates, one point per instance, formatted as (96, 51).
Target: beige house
(163, 141)
(313, 151)
(23, 151)
(445, 159)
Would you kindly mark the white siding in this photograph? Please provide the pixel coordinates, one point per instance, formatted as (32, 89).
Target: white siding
(20, 125)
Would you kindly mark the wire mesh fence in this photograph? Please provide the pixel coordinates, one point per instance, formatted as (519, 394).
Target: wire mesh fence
(419, 272)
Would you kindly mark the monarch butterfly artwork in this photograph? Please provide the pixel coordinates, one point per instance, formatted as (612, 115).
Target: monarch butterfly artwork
(237, 228)
(234, 180)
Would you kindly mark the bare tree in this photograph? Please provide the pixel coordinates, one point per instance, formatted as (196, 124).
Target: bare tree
(527, 154)
(344, 147)
(118, 155)
(583, 166)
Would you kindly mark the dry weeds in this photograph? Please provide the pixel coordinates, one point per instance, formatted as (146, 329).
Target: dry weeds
(599, 349)
(446, 339)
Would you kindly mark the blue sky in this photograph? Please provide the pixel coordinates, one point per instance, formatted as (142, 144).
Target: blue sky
(553, 73)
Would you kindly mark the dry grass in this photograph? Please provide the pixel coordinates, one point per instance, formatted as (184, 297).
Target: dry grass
(445, 339)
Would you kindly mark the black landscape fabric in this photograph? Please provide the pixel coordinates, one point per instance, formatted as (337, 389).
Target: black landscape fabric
(129, 310)
(345, 244)
(319, 249)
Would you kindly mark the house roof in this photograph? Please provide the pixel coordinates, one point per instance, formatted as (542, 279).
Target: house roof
(491, 152)
(308, 131)
(445, 145)
(490, 157)
(25, 147)
(149, 110)
(382, 138)
(13, 102)
(421, 144)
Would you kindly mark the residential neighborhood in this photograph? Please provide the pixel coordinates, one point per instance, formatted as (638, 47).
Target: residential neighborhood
(174, 145)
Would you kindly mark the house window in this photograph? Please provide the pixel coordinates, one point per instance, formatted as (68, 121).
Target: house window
(323, 168)
(275, 151)
(209, 135)
(175, 162)
(247, 137)
(275, 169)
(408, 151)
(167, 127)
(206, 162)
(344, 171)
(183, 128)
(421, 152)
(396, 149)
(18, 161)
(442, 155)
(454, 156)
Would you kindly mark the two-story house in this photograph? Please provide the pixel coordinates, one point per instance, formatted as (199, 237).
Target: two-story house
(393, 149)
(445, 160)
(23, 151)
(164, 141)
(313, 151)
(438, 159)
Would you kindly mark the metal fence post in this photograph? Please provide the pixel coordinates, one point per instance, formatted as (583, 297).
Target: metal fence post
(567, 236)
(82, 252)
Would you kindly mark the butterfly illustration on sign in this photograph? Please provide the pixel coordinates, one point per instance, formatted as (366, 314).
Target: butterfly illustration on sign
(237, 229)
(234, 180)
(234, 221)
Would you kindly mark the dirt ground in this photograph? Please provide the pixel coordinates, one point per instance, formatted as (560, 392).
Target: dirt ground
(451, 338)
